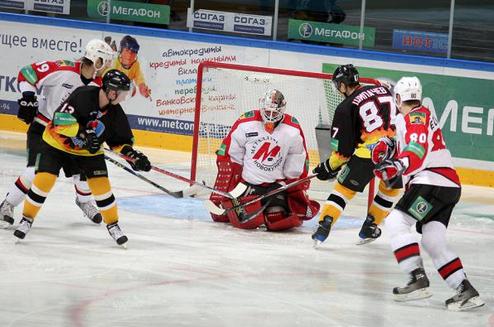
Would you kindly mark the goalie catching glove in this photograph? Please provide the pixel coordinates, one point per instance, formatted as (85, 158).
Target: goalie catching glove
(390, 171)
(384, 149)
(138, 161)
(28, 107)
(324, 171)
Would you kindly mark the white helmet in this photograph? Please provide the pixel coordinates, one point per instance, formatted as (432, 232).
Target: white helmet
(272, 106)
(409, 88)
(96, 49)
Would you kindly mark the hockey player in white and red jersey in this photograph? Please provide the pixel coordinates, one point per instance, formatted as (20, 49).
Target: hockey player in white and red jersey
(55, 80)
(432, 190)
(265, 149)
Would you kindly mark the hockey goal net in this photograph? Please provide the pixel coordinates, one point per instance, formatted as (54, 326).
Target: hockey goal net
(226, 91)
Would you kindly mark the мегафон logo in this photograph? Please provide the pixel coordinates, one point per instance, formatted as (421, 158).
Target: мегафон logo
(305, 30)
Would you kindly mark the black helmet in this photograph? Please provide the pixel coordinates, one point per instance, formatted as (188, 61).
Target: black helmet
(346, 74)
(128, 42)
(115, 80)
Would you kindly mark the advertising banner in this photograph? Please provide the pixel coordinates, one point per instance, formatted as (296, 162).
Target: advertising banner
(58, 6)
(464, 107)
(164, 71)
(129, 11)
(13, 4)
(230, 22)
(420, 41)
(330, 33)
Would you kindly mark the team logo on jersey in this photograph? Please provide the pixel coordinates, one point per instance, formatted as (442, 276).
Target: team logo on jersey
(247, 114)
(62, 63)
(417, 118)
(266, 153)
(67, 86)
(420, 208)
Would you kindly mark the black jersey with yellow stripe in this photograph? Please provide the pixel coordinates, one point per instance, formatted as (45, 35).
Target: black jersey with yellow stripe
(360, 121)
(82, 111)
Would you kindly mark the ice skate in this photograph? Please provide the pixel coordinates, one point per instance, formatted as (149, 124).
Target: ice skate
(322, 231)
(417, 288)
(6, 214)
(467, 298)
(369, 231)
(117, 234)
(23, 228)
(90, 211)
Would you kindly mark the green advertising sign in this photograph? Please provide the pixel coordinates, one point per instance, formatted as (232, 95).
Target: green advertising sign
(130, 11)
(463, 105)
(331, 33)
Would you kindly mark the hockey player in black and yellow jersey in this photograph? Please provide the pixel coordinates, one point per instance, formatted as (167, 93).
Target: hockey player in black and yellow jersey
(360, 121)
(90, 116)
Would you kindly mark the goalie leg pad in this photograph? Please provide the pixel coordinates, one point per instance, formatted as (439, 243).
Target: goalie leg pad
(301, 206)
(279, 220)
(228, 177)
(235, 215)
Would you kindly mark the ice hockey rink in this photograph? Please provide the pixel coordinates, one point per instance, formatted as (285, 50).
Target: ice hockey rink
(181, 269)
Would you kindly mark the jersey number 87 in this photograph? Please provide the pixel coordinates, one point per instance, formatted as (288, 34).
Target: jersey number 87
(371, 116)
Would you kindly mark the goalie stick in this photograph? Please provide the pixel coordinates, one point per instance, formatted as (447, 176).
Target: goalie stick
(177, 194)
(236, 192)
(213, 208)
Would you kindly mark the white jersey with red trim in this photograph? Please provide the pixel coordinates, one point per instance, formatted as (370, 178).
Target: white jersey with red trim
(56, 80)
(266, 157)
(423, 150)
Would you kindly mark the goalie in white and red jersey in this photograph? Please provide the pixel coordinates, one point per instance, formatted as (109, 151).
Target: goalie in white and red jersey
(433, 188)
(264, 150)
(56, 80)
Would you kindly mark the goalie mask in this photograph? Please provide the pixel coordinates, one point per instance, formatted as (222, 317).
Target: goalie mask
(272, 107)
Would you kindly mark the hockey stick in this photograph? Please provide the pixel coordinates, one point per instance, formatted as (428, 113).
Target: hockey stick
(231, 195)
(213, 208)
(178, 194)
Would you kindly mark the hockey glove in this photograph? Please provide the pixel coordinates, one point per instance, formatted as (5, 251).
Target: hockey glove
(139, 160)
(324, 171)
(28, 107)
(384, 149)
(390, 171)
(85, 139)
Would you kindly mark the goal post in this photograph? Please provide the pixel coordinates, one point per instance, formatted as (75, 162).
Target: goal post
(225, 91)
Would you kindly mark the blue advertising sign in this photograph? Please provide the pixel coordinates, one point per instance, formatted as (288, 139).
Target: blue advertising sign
(420, 41)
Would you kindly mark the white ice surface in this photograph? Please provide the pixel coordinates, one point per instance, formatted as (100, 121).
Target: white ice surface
(181, 269)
